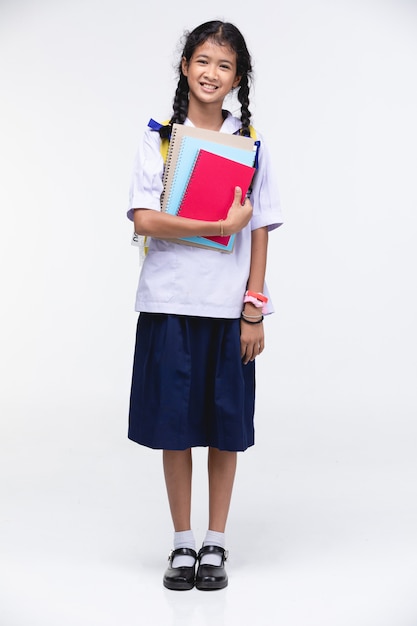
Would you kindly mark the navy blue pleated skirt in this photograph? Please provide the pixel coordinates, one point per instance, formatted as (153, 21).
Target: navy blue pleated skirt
(189, 385)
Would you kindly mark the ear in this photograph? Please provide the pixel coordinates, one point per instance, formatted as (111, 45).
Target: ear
(184, 66)
(236, 81)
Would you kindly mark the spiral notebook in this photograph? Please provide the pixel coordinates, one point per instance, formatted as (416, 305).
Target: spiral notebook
(209, 194)
(184, 144)
(185, 161)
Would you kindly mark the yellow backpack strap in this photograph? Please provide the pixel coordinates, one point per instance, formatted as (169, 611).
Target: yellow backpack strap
(164, 142)
(164, 149)
(143, 242)
(253, 135)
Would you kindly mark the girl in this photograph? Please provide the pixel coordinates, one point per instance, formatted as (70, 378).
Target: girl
(199, 331)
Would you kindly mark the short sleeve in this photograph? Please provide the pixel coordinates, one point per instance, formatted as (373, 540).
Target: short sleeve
(146, 183)
(265, 195)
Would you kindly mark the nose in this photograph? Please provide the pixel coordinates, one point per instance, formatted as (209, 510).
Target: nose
(211, 72)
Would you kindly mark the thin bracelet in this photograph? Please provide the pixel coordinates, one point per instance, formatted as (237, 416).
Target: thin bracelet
(255, 317)
(221, 228)
(248, 322)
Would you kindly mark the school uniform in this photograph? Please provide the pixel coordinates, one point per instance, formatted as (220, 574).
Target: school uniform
(189, 386)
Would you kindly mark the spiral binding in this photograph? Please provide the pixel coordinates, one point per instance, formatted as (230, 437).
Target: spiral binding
(167, 166)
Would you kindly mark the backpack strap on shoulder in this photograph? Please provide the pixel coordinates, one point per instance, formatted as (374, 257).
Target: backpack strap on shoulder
(142, 241)
(153, 125)
(253, 134)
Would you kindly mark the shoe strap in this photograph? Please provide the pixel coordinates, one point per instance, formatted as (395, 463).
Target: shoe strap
(182, 551)
(213, 550)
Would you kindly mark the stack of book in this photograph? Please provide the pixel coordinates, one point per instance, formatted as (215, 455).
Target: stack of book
(202, 169)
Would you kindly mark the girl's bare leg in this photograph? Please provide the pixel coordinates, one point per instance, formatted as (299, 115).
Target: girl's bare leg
(178, 473)
(221, 471)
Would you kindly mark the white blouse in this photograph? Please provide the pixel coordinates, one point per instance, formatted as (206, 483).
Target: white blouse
(188, 280)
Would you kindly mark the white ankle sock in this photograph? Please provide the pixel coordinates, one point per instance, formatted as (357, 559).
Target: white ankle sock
(183, 539)
(213, 538)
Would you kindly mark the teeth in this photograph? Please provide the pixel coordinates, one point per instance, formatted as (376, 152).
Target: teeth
(206, 86)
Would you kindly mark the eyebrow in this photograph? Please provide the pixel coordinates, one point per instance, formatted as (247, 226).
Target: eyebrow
(206, 56)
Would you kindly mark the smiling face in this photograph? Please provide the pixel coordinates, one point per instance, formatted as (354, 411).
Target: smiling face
(211, 73)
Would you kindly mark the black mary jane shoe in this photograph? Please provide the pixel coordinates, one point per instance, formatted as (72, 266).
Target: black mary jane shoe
(211, 577)
(180, 578)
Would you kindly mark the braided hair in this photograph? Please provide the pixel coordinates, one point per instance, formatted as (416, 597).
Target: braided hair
(222, 33)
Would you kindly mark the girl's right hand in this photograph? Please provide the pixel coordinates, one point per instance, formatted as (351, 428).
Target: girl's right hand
(239, 215)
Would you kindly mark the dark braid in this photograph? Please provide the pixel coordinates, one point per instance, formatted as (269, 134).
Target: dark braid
(180, 107)
(222, 33)
(180, 104)
(245, 114)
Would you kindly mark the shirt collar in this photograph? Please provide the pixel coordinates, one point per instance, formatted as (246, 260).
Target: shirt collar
(230, 125)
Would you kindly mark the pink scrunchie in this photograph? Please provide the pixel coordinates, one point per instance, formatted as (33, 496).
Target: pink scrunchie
(258, 303)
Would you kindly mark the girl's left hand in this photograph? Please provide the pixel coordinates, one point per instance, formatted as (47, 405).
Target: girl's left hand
(251, 341)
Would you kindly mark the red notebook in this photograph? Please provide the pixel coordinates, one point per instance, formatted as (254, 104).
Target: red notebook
(211, 188)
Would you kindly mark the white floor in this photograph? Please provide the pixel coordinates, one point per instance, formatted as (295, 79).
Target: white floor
(326, 539)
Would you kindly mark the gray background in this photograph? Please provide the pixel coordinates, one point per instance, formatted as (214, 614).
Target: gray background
(322, 525)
